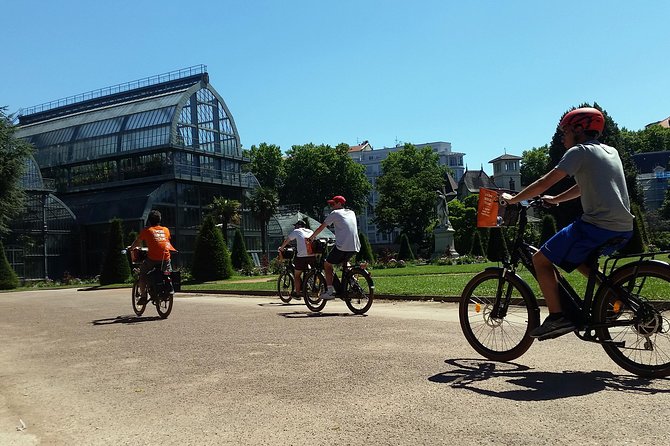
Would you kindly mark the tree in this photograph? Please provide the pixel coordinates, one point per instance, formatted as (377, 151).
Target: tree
(477, 249)
(263, 204)
(115, 268)
(464, 221)
(211, 259)
(548, 228)
(406, 189)
(239, 255)
(267, 165)
(226, 211)
(496, 249)
(636, 243)
(365, 254)
(8, 278)
(315, 174)
(405, 252)
(14, 156)
(534, 164)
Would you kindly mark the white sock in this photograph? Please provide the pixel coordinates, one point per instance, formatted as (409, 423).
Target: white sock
(331, 289)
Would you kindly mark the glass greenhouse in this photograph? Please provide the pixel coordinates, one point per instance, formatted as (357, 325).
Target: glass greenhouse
(167, 142)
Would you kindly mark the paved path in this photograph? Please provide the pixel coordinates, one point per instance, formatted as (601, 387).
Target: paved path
(77, 369)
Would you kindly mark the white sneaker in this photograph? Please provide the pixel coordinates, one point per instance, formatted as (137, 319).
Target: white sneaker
(327, 295)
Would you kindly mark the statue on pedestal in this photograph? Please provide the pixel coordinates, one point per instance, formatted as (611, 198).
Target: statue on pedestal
(442, 207)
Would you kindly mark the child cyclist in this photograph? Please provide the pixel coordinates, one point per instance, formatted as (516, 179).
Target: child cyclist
(304, 258)
(601, 187)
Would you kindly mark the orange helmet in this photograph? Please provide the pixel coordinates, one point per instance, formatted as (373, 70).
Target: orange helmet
(587, 117)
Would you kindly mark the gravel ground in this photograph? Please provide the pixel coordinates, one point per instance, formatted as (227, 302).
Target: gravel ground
(77, 368)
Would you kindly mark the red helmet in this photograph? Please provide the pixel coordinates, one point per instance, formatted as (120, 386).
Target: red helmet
(587, 117)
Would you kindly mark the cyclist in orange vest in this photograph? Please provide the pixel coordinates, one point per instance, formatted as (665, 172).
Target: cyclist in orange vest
(157, 239)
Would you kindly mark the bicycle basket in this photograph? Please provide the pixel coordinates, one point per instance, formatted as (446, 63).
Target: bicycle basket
(288, 253)
(319, 246)
(138, 255)
(510, 215)
(490, 213)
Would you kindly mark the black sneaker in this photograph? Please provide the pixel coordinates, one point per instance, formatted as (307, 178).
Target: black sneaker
(142, 300)
(295, 295)
(553, 328)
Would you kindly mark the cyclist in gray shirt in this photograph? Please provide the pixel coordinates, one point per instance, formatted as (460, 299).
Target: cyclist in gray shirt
(601, 186)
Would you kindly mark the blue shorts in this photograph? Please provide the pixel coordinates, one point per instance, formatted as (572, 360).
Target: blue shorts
(572, 245)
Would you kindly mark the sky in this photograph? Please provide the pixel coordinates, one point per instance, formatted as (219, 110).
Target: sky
(490, 77)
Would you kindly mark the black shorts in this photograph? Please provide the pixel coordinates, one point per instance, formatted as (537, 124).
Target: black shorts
(301, 263)
(336, 256)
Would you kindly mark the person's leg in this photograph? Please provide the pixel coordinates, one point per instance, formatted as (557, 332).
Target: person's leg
(546, 278)
(297, 280)
(328, 269)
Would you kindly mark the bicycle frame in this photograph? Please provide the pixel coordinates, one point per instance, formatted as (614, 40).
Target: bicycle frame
(580, 310)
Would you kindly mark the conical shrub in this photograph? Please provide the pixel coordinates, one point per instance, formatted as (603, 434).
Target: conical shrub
(8, 278)
(211, 259)
(496, 249)
(477, 249)
(548, 228)
(239, 255)
(115, 268)
(365, 254)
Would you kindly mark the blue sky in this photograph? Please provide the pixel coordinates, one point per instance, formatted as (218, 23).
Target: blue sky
(487, 76)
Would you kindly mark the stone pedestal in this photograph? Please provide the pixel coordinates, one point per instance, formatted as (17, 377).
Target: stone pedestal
(444, 242)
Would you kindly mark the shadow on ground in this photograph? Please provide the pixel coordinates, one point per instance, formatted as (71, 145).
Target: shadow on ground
(521, 383)
(125, 320)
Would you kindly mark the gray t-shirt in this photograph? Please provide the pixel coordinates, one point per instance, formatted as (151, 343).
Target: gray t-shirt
(599, 173)
(346, 229)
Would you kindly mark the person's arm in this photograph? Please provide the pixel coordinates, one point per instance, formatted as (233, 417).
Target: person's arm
(137, 243)
(317, 230)
(568, 195)
(537, 187)
(283, 245)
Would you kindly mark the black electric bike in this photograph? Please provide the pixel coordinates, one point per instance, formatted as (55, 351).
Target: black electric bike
(624, 306)
(356, 287)
(160, 287)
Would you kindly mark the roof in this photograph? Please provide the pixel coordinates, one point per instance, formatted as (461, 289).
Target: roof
(103, 206)
(129, 91)
(663, 123)
(473, 180)
(505, 157)
(108, 112)
(285, 220)
(363, 147)
(647, 161)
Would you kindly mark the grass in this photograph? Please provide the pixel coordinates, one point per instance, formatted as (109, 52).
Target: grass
(424, 280)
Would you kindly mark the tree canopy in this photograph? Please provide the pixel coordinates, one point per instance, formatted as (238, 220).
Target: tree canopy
(263, 203)
(407, 191)
(316, 173)
(14, 155)
(534, 164)
(267, 165)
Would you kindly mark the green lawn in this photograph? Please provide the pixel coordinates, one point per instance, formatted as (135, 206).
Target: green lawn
(426, 280)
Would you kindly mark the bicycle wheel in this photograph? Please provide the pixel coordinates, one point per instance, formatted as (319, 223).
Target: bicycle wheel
(285, 286)
(502, 336)
(359, 291)
(164, 305)
(641, 346)
(313, 284)
(138, 309)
